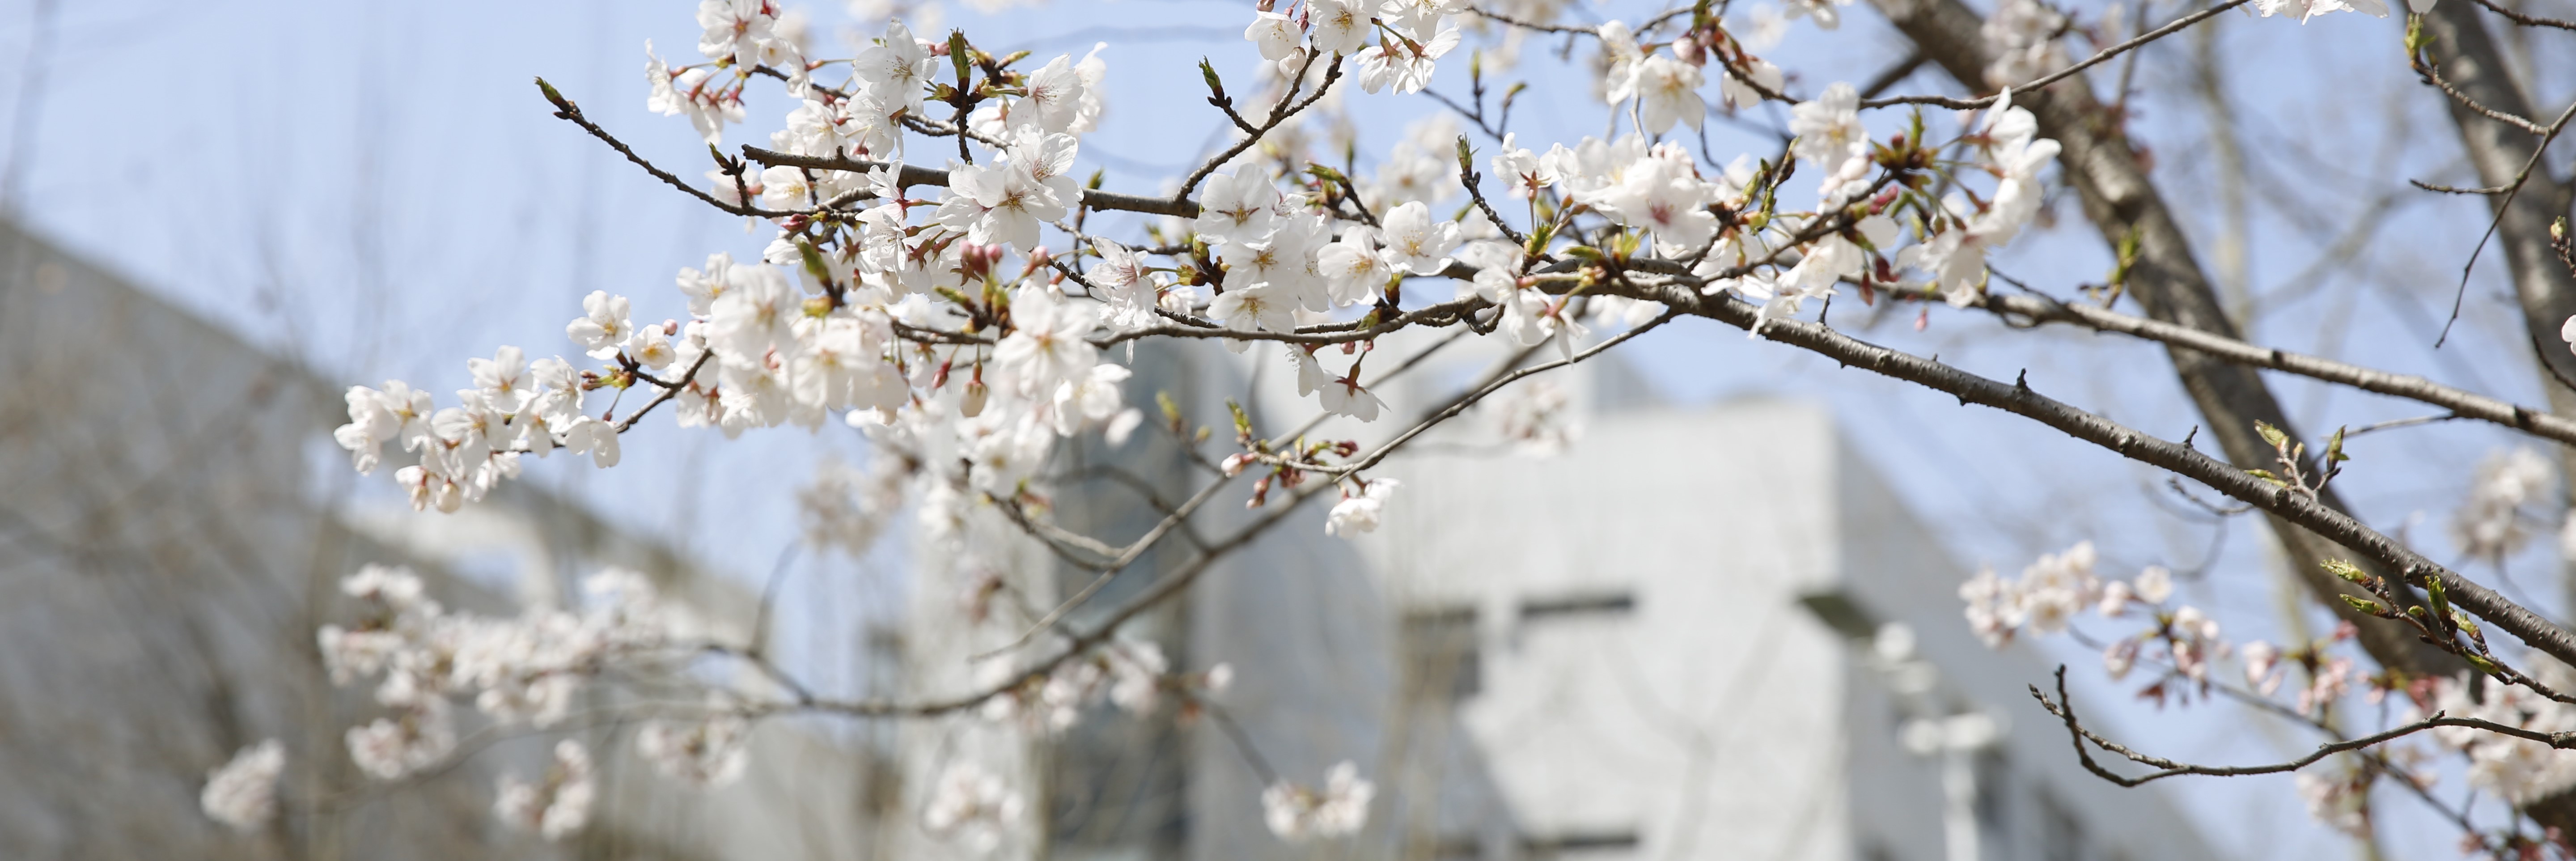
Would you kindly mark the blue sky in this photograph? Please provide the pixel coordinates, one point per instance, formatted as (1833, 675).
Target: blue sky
(379, 188)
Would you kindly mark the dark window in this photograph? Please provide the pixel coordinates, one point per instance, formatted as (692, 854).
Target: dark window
(1994, 794)
(1564, 606)
(2061, 837)
(1580, 842)
(1441, 658)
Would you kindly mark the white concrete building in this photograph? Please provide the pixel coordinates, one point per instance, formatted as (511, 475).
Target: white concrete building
(1657, 644)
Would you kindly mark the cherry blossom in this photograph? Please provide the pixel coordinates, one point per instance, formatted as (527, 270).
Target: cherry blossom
(1415, 242)
(1404, 60)
(556, 806)
(243, 793)
(1296, 813)
(1667, 91)
(1360, 512)
(707, 753)
(972, 805)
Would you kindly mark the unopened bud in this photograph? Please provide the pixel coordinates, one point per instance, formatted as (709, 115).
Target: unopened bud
(1233, 465)
(972, 404)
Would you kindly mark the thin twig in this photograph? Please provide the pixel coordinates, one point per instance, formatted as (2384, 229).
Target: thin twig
(2064, 709)
(565, 109)
(2513, 189)
(2140, 40)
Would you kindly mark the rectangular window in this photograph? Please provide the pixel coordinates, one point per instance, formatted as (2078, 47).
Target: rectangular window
(1441, 655)
(2061, 837)
(1572, 606)
(1578, 844)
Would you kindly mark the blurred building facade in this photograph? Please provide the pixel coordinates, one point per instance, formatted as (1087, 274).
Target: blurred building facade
(1703, 633)
(1658, 643)
(175, 527)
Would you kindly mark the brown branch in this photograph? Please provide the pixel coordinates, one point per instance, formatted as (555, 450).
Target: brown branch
(2064, 709)
(2461, 403)
(2511, 190)
(2296, 509)
(1163, 589)
(2453, 189)
(2526, 20)
(667, 392)
(2177, 25)
(1469, 399)
(2099, 165)
(565, 109)
(1279, 113)
(2433, 73)
(1117, 558)
(1443, 314)
(915, 175)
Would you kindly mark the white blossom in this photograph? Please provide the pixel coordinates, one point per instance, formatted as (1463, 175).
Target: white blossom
(972, 805)
(243, 793)
(415, 737)
(1404, 63)
(898, 70)
(1047, 347)
(1360, 512)
(1296, 813)
(2024, 38)
(1741, 93)
(1339, 26)
(1667, 91)
(2306, 9)
(2490, 522)
(556, 806)
(1415, 241)
(1828, 129)
(2155, 584)
(705, 753)
(1235, 206)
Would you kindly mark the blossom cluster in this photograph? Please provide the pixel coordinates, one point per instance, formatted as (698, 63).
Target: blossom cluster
(2518, 770)
(971, 805)
(1297, 813)
(516, 670)
(242, 794)
(558, 804)
(2490, 523)
(1394, 43)
(1131, 674)
(2054, 590)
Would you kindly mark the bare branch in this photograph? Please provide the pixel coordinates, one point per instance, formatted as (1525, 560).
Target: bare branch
(915, 175)
(2311, 514)
(2064, 709)
(2461, 403)
(2177, 26)
(565, 109)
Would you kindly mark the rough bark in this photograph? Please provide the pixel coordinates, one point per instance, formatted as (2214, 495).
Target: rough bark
(2168, 282)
